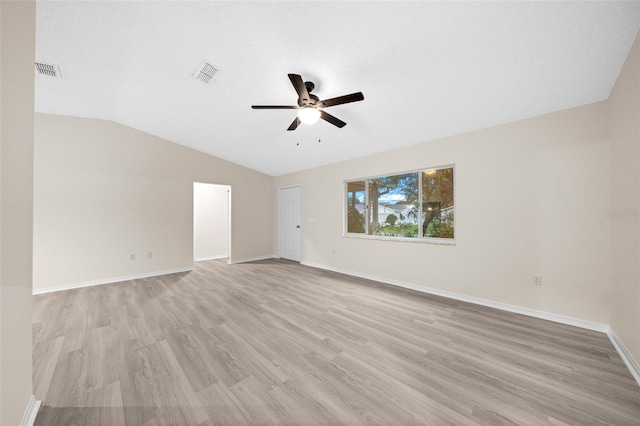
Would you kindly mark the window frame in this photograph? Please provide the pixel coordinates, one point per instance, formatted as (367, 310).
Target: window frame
(420, 239)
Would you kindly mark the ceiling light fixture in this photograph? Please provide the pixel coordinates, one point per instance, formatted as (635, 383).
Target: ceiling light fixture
(309, 115)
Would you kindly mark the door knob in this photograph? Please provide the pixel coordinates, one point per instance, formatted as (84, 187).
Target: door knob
(297, 226)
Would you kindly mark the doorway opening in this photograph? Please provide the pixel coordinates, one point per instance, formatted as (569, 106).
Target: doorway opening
(211, 221)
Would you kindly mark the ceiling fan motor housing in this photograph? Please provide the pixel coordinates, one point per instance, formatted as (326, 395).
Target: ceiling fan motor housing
(313, 99)
(310, 86)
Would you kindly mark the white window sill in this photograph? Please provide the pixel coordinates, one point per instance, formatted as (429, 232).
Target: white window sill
(436, 241)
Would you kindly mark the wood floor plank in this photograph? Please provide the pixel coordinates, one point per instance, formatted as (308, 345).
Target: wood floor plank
(185, 343)
(45, 359)
(182, 390)
(106, 406)
(274, 342)
(67, 387)
(222, 406)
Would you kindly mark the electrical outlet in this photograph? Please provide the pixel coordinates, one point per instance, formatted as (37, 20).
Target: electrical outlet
(333, 251)
(537, 280)
(149, 254)
(133, 256)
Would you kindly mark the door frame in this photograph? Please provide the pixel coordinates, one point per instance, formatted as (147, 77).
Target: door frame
(278, 218)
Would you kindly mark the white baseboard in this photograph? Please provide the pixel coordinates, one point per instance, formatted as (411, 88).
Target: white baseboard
(250, 259)
(111, 280)
(31, 412)
(603, 328)
(220, 256)
(626, 356)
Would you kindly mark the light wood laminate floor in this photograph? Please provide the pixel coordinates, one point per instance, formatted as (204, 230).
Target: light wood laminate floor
(274, 342)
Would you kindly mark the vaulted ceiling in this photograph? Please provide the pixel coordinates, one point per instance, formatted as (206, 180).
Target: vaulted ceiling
(427, 69)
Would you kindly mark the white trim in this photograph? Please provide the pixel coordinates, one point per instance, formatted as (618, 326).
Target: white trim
(603, 328)
(31, 412)
(220, 256)
(230, 216)
(421, 240)
(626, 356)
(111, 280)
(289, 186)
(406, 172)
(250, 259)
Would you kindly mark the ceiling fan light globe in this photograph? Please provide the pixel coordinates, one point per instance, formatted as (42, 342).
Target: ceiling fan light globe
(309, 115)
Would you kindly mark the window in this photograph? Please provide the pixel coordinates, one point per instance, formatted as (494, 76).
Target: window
(356, 204)
(415, 205)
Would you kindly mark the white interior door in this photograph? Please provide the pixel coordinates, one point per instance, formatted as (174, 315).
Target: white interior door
(289, 221)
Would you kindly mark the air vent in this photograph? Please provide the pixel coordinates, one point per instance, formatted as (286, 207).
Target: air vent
(48, 69)
(205, 73)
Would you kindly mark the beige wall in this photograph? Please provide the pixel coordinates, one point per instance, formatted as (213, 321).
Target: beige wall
(2, 381)
(530, 199)
(17, 47)
(624, 123)
(104, 191)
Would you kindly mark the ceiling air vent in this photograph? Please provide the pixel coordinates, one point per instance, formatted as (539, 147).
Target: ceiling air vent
(48, 69)
(206, 73)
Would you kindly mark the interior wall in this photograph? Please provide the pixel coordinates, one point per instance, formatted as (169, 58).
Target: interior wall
(104, 191)
(17, 53)
(529, 201)
(624, 124)
(210, 221)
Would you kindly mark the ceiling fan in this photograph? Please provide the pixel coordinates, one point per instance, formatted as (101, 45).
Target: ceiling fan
(310, 106)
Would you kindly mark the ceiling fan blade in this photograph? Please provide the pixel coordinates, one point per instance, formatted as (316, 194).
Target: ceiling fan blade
(301, 89)
(295, 124)
(331, 119)
(354, 97)
(275, 106)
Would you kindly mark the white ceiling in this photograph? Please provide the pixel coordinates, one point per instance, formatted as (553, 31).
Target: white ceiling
(427, 69)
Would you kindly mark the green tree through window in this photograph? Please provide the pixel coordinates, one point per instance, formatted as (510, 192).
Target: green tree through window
(409, 205)
(437, 203)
